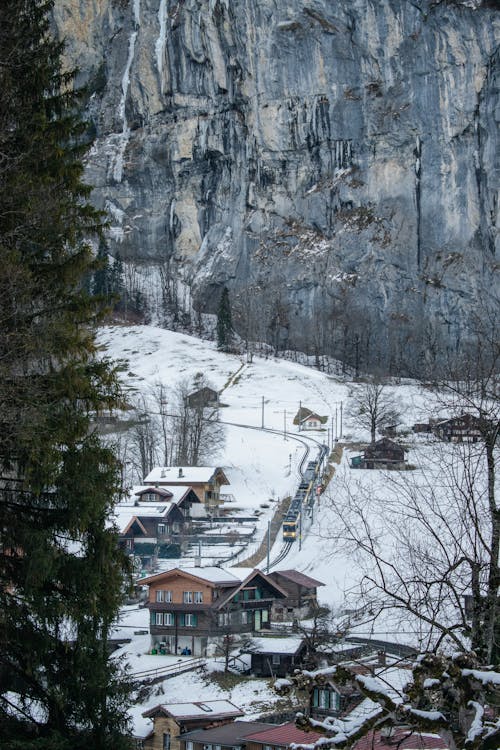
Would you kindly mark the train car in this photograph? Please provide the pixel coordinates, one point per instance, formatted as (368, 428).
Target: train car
(304, 497)
(291, 527)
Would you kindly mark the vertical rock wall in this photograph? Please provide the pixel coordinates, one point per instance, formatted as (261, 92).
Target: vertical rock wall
(335, 164)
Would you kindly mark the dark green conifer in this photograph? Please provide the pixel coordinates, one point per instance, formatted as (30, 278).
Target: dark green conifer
(224, 322)
(60, 569)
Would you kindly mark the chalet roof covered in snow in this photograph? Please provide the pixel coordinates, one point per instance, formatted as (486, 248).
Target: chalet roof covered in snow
(214, 575)
(187, 474)
(277, 645)
(206, 709)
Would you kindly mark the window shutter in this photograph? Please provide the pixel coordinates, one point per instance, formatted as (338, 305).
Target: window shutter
(182, 619)
(195, 620)
(153, 618)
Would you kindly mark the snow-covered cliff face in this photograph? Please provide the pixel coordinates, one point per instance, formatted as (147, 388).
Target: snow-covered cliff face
(335, 164)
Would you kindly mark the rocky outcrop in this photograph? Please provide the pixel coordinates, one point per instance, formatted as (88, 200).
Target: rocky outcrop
(334, 164)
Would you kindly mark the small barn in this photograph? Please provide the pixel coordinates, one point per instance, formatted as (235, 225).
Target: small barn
(277, 657)
(384, 454)
(204, 397)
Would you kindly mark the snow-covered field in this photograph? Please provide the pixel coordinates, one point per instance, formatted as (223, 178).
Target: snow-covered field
(262, 466)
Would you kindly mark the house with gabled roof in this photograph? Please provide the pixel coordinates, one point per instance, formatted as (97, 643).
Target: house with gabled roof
(193, 609)
(302, 595)
(206, 481)
(172, 720)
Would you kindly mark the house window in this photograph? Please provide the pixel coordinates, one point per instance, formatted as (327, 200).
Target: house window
(189, 745)
(168, 618)
(160, 595)
(130, 543)
(268, 747)
(216, 747)
(158, 618)
(161, 528)
(187, 597)
(244, 617)
(276, 659)
(168, 596)
(189, 621)
(223, 618)
(198, 597)
(324, 698)
(265, 615)
(176, 527)
(166, 741)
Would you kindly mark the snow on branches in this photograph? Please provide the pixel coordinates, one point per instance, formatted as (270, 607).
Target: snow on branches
(452, 696)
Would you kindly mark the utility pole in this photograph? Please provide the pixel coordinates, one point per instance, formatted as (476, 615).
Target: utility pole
(284, 424)
(262, 426)
(268, 544)
(341, 408)
(328, 437)
(300, 414)
(336, 423)
(300, 528)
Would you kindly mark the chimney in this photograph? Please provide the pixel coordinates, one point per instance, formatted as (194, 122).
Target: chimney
(162, 473)
(197, 561)
(382, 662)
(180, 473)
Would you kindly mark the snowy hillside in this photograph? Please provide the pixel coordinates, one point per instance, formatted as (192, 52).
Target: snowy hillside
(261, 466)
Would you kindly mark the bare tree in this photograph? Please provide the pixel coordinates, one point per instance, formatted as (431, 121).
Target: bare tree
(455, 697)
(199, 434)
(373, 406)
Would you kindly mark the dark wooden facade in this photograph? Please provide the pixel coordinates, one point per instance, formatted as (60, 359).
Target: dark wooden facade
(384, 453)
(188, 611)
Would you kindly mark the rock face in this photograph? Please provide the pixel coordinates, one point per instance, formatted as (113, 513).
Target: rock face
(334, 164)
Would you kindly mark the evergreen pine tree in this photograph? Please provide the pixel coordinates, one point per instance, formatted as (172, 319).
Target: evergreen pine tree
(102, 286)
(60, 569)
(224, 322)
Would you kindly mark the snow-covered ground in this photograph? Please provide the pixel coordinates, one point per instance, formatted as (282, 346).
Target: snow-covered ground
(262, 468)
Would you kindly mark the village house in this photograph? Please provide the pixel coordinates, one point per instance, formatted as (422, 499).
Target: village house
(280, 737)
(193, 609)
(383, 454)
(309, 420)
(172, 720)
(156, 516)
(202, 398)
(463, 429)
(276, 657)
(302, 595)
(206, 481)
(224, 737)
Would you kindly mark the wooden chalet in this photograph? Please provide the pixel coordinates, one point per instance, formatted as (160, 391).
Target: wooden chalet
(193, 609)
(276, 657)
(206, 481)
(383, 454)
(202, 398)
(302, 595)
(172, 720)
(463, 429)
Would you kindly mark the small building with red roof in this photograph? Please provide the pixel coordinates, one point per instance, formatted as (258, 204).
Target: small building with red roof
(280, 737)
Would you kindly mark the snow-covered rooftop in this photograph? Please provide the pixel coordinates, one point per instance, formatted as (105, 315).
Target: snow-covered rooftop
(288, 645)
(209, 709)
(188, 474)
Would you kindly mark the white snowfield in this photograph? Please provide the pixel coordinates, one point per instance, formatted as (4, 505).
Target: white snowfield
(262, 467)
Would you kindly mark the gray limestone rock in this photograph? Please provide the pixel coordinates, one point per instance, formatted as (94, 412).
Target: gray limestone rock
(334, 164)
